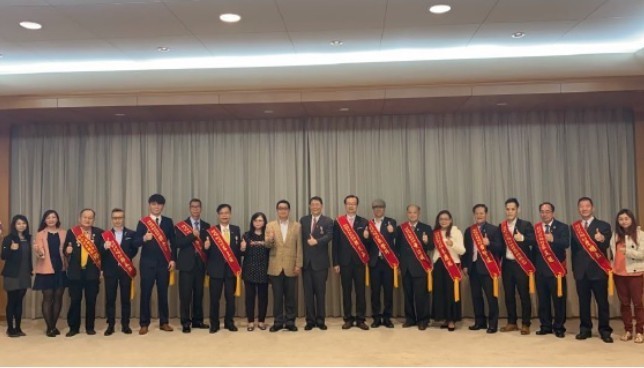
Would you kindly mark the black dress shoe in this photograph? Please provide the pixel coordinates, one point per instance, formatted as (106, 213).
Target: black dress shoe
(291, 328)
(275, 328)
(90, 332)
(583, 335)
(109, 331)
(322, 326)
(376, 323)
(491, 330)
(231, 328)
(362, 326)
(185, 329)
(607, 339)
(12, 333)
(388, 323)
(444, 326)
(50, 333)
(408, 324)
(56, 331)
(477, 327)
(309, 327)
(560, 334)
(347, 325)
(20, 332)
(200, 325)
(71, 333)
(213, 329)
(422, 326)
(543, 332)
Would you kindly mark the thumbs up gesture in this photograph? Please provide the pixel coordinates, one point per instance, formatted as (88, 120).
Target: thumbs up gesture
(14, 245)
(449, 242)
(599, 237)
(148, 236)
(195, 232)
(270, 235)
(69, 248)
(108, 244)
(550, 238)
(486, 240)
(518, 236)
(243, 245)
(365, 233)
(311, 240)
(207, 243)
(390, 228)
(425, 238)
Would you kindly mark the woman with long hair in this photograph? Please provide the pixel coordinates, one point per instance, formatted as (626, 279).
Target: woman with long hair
(255, 270)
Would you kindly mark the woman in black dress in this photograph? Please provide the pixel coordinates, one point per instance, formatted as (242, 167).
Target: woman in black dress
(255, 270)
(16, 252)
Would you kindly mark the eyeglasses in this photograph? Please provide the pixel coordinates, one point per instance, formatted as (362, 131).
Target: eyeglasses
(545, 211)
(118, 218)
(283, 208)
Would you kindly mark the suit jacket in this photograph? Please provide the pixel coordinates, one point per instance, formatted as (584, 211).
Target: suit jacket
(74, 260)
(528, 243)
(13, 258)
(406, 256)
(151, 254)
(285, 255)
(561, 236)
(495, 248)
(389, 237)
(217, 266)
(43, 264)
(582, 265)
(316, 257)
(111, 267)
(187, 257)
(342, 251)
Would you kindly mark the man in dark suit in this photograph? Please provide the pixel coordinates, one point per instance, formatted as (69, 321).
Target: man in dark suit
(414, 276)
(220, 273)
(348, 264)
(382, 275)
(192, 269)
(83, 272)
(589, 277)
(153, 265)
(317, 232)
(557, 235)
(480, 279)
(115, 276)
(515, 278)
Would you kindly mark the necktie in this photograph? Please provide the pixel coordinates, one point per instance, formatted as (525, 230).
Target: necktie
(547, 229)
(196, 225)
(84, 255)
(158, 220)
(227, 235)
(313, 225)
(585, 225)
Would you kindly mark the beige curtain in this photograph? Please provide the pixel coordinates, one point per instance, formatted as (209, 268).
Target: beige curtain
(449, 161)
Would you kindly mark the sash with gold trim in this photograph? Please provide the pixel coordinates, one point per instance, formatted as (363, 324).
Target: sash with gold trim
(591, 248)
(121, 258)
(227, 253)
(162, 241)
(88, 245)
(385, 249)
(418, 250)
(197, 244)
(488, 259)
(550, 257)
(448, 261)
(521, 258)
(356, 244)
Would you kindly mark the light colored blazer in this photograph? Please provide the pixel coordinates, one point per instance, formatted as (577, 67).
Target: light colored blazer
(284, 255)
(43, 264)
(634, 252)
(456, 250)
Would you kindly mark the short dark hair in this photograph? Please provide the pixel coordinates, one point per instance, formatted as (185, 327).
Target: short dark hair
(512, 200)
(316, 198)
(197, 200)
(117, 210)
(552, 206)
(352, 196)
(479, 205)
(87, 209)
(283, 201)
(156, 198)
(585, 199)
(224, 205)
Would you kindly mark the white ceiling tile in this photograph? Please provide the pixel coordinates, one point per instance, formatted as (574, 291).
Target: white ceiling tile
(353, 40)
(246, 44)
(415, 13)
(607, 30)
(429, 37)
(146, 48)
(619, 8)
(56, 26)
(76, 50)
(536, 33)
(328, 15)
(513, 11)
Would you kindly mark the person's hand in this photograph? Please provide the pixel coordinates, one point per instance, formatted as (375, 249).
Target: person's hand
(599, 237)
(14, 245)
(486, 240)
(195, 232)
(108, 244)
(550, 238)
(207, 244)
(148, 236)
(365, 233)
(70, 248)
(171, 266)
(297, 270)
(243, 245)
(425, 238)
(449, 242)
(519, 237)
(270, 235)
(390, 228)
(311, 241)
(336, 269)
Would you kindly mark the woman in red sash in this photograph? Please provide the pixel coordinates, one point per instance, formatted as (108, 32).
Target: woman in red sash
(446, 305)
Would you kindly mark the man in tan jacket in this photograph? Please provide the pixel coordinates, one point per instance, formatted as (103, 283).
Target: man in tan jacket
(283, 236)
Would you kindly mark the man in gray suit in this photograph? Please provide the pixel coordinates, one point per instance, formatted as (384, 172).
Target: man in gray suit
(317, 232)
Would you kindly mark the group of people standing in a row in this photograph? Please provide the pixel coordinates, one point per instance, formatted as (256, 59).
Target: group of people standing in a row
(430, 261)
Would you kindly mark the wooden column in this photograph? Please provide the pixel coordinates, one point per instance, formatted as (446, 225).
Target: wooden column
(639, 163)
(5, 180)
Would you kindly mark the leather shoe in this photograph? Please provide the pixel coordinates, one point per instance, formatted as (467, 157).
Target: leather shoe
(50, 333)
(408, 324)
(422, 326)
(90, 332)
(109, 331)
(491, 330)
(56, 331)
(543, 332)
(166, 327)
(213, 329)
(322, 327)
(126, 330)
(560, 334)
(309, 327)
(291, 328)
(185, 329)
(444, 326)
(509, 327)
(275, 328)
(607, 339)
(376, 323)
(476, 327)
(362, 326)
(71, 333)
(347, 325)
(583, 335)
(231, 328)
(388, 323)
(200, 325)
(525, 330)
(143, 330)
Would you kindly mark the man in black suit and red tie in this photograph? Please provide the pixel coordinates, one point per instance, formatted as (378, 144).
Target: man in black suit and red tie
(155, 236)
(483, 250)
(191, 263)
(552, 240)
(591, 268)
(350, 260)
(118, 272)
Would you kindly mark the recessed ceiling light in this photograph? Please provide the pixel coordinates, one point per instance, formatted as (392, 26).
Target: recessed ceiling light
(439, 9)
(336, 43)
(30, 25)
(268, 111)
(501, 104)
(163, 49)
(344, 109)
(518, 35)
(230, 18)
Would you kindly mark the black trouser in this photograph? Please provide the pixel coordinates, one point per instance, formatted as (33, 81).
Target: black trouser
(52, 302)
(76, 290)
(515, 278)
(353, 275)
(161, 276)
(547, 291)
(314, 283)
(480, 284)
(444, 304)
(191, 295)
(123, 282)
(227, 285)
(261, 290)
(600, 289)
(416, 299)
(14, 308)
(382, 277)
(284, 299)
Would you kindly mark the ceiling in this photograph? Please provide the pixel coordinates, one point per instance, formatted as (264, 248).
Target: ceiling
(132, 30)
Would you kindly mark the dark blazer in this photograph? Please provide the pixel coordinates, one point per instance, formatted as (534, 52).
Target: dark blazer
(342, 251)
(582, 264)
(217, 266)
(187, 256)
(495, 248)
(13, 258)
(316, 257)
(111, 267)
(390, 237)
(151, 254)
(529, 241)
(406, 256)
(561, 236)
(74, 260)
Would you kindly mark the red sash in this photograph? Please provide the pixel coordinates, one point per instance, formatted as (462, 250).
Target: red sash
(228, 255)
(88, 245)
(197, 244)
(519, 256)
(117, 252)
(385, 249)
(356, 244)
(418, 250)
(448, 261)
(159, 236)
(488, 259)
(591, 248)
(549, 257)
